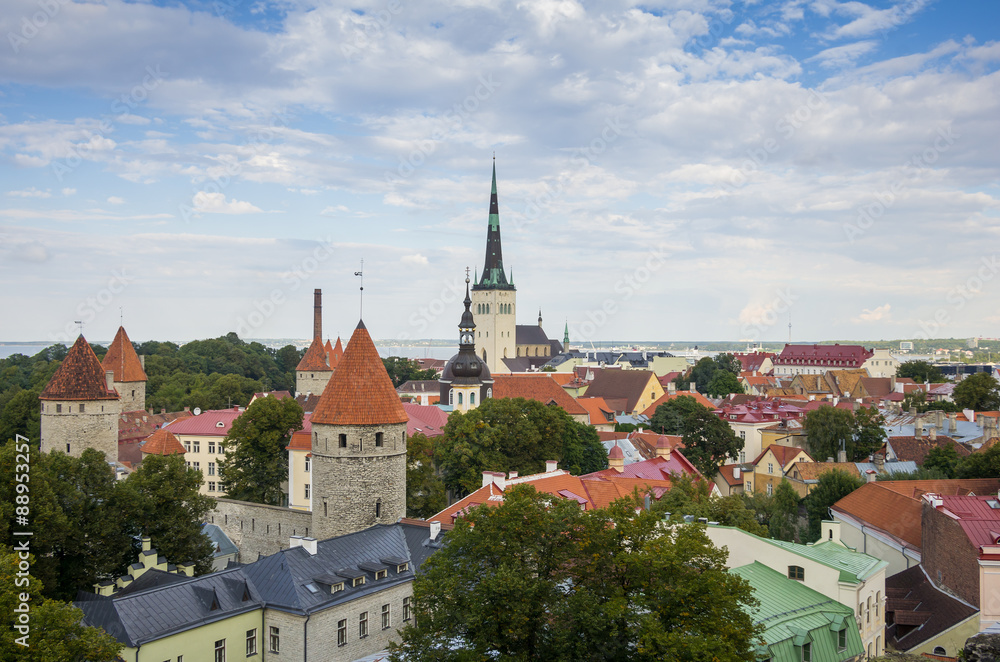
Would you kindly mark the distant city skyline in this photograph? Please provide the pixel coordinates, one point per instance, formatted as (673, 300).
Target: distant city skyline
(666, 170)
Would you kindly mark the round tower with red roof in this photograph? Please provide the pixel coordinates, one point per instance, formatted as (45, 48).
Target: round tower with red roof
(80, 406)
(129, 372)
(358, 445)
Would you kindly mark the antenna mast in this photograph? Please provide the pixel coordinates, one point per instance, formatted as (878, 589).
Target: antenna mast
(361, 297)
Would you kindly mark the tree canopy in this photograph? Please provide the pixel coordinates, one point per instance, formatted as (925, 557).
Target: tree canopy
(831, 429)
(256, 463)
(708, 440)
(979, 392)
(402, 369)
(833, 486)
(707, 368)
(425, 491)
(920, 372)
(536, 578)
(513, 434)
(689, 496)
(669, 416)
(981, 464)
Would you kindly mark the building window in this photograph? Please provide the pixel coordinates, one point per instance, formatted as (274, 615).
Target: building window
(381, 574)
(796, 572)
(842, 640)
(749, 486)
(211, 447)
(459, 397)
(363, 625)
(67, 448)
(275, 640)
(197, 446)
(770, 467)
(337, 588)
(307, 490)
(878, 599)
(868, 610)
(489, 393)
(58, 409)
(743, 435)
(451, 396)
(378, 508)
(187, 446)
(406, 608)
(807, 653)
(342, 632)
(81, 407)
(211, 486)
(357, 581)
(307, 462)
(196, 465)
(251, 642)
(220, 650)
(211, 468)
(403, 567)
(342, 440)
(770, 489)
(378, 440)
(386, 618)
(472, 398)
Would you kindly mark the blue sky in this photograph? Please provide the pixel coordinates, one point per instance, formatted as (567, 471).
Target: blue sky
(666, 170)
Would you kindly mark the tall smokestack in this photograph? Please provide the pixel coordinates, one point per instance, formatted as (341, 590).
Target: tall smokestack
(317, 313)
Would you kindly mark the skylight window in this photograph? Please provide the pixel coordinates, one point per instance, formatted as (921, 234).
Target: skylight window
(312, 588)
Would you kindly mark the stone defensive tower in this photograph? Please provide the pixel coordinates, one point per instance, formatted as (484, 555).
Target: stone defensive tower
(129, 372)
(494, 298)
(80, 406)
(314, 370)
(358, 445)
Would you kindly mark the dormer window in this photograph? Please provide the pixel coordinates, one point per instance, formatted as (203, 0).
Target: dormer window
(357, 581)
(381, 574)
(403, 567)
(220, 424)
(796, 572)
(337, 588)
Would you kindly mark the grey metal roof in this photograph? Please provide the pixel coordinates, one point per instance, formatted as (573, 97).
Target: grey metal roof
(530, 334)
(223, 545)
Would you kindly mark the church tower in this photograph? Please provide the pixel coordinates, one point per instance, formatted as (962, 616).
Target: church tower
(494, 298)
(358, 445)
(129, 372)
(80, 406)
(314, 370)
(466, 380)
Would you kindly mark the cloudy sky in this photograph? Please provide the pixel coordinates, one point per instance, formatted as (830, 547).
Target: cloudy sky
(694, 169)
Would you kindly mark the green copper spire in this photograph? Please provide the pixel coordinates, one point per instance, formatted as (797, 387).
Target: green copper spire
(493, 277)
(566, 337)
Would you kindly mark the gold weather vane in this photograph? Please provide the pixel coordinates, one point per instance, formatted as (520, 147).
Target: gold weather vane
(361, 273)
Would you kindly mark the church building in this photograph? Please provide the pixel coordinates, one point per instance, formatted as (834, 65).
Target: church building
(466, 380)
(501, 343)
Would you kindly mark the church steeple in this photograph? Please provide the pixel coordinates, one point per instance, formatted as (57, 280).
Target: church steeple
(493, 277)
(566, 337)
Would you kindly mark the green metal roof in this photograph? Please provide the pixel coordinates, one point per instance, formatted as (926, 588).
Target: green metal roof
(854, 567)
(794, 615)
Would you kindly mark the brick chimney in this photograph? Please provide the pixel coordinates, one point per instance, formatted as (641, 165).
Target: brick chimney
(918, 428)
(317, 313)
(952, 423)
(109, 379)
(551, 465)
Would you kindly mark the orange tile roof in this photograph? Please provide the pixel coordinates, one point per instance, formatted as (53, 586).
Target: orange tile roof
(122, 359)
(562, 378)
(80, 376)
(162, 442)
(598, 410)
(783, 454)
(360, 391)
(314, 358)
(301, 440)
(338, 353)
(540, 387)
(702, 400)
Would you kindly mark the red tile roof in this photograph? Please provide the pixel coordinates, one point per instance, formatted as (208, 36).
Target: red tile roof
(315, 358)
(80, 376)
(727, 473)
(427, 420)
(752, 361)
(540, 387)
(600, 412)
(647, 442)
(337, 353)
(122, 359)
(162, 442)
(211, 423)
(702, 400)
(912, 448)
(302, 439)
(656, 468)
(836, 355)
(134, 426)
(360, 391)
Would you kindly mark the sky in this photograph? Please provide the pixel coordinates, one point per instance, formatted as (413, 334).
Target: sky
(670, 170)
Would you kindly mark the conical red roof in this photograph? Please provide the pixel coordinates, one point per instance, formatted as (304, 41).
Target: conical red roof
(79, 377)
(360, 391)
(162, 442)
(122, 359)
(315, 357)
(338, 353)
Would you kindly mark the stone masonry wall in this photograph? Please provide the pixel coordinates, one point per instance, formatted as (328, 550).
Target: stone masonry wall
(347, 483)
(311, 381)
(322, 628)
(948, 556)
(129, 401)
(256, 529)
(95, 427)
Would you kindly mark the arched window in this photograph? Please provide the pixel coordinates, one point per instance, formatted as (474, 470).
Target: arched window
(451, 396)
(484, 357)
(472, 398)
(459, 397)
(939, 650)
(796, 572)
(489, 393)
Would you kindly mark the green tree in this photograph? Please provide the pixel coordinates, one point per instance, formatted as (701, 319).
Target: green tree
(829, 430)
(922, 473)
(784, 523)
(709, 441)
(56, 632)
(402, 369)
(512, 434)
(161, 500)
(21, 415)
(690, 496)
(536, 578)
(723, 383)
(921, 372)
(669, 417)
(256, 462)
(979, 392)
(425, 491)
(869, 432)
(729, 363)
(833, 486)
(981, 464)
(942, 458)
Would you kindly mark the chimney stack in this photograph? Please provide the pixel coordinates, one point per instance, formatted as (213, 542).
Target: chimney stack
(842, 456)
(663, 448)
(692, 387)
(932, 433)
(551, 465)
(435, 530)
(918, 428)
(952, 423)
(309, 544)
(317, 313)
(939, 418)
(142, 361)
(109, 379)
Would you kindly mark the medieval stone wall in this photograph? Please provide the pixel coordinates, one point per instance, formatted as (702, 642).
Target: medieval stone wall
(68, 429)
(132, 395)
(311, 381)
(256, 529)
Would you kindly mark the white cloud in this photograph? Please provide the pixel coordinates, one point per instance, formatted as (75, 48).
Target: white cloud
(848, 54)
(416, 260)
(115, 200)
(69, 191)
(878, 314)
(30, 192)
(216, 203)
